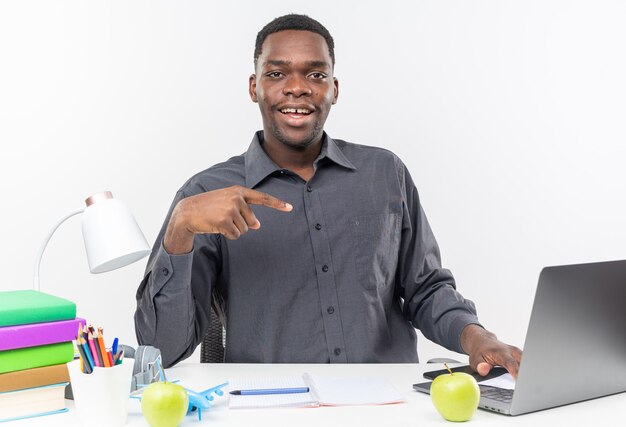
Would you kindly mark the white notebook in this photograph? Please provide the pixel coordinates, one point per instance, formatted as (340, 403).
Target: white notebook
(323, 391)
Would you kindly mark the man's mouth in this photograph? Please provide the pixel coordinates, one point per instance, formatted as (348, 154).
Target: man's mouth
(296, 112)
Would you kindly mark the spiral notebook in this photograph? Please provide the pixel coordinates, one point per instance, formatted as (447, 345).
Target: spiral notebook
(323, 391)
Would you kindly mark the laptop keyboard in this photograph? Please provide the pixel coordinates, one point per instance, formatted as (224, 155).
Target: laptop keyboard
(499, 394)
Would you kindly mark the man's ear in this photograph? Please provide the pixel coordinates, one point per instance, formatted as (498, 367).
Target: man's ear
(336, 90)
(252, 88)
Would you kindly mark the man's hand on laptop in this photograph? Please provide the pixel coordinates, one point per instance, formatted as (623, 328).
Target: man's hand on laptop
(485, 351)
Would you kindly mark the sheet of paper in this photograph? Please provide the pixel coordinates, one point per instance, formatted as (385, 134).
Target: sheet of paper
(332, 391)
(505, 381)
(269, 400)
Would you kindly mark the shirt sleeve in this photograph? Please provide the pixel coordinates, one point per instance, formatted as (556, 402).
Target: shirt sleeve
(431, 301)
(174, 297)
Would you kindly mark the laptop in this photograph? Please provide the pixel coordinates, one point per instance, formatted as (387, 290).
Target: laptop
(575, 345)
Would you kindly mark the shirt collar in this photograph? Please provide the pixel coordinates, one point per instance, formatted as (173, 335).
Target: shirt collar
(331, 150)
(259, 165)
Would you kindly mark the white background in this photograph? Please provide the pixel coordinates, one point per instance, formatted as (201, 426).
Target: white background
(510, 116)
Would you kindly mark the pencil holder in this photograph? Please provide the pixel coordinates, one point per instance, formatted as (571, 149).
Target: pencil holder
(101, 398)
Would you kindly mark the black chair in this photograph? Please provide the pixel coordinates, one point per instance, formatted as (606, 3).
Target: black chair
(214, 341)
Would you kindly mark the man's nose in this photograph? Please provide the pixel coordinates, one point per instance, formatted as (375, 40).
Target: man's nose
(297, 86)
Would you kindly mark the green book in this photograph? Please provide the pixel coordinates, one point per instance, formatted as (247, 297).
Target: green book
(28, 306)
(34, 357)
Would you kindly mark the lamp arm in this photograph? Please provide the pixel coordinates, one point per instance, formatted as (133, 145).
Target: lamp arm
(45, 243)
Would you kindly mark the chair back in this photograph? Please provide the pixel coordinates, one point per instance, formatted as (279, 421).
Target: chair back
(214, 341)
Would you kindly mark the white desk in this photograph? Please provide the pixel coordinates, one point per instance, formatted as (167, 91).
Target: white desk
(417, 411)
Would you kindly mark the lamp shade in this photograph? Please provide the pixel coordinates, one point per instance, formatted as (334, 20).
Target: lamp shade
(112, 237)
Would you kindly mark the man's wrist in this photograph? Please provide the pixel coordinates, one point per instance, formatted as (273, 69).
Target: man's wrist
(178, 239)
(472, 335)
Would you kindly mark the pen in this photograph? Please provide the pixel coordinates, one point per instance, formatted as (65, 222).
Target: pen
(114, 346)
(270, 391)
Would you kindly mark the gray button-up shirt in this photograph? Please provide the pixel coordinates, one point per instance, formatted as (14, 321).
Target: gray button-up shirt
(344, 277)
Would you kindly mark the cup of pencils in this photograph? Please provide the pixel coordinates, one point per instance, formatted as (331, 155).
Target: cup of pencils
(93, 350)
(100, 380)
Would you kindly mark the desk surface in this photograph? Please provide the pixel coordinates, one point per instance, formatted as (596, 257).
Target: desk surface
(417, 411)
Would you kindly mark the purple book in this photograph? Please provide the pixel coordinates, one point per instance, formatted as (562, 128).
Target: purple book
(34, 334)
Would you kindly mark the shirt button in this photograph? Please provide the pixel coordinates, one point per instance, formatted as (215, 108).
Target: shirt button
(324, 268)
(308, 188)
(337, 351)
(318, 226)
(165, 271)
(330, 310)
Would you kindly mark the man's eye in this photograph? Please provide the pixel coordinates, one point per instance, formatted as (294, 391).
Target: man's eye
(318, 75)
(274, 74)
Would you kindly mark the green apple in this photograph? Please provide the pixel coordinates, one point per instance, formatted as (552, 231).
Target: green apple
(164, 404)
(455, 395)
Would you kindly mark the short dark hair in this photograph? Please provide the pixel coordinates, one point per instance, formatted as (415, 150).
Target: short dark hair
(293, 22)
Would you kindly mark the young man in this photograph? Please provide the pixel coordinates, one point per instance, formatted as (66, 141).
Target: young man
(319, 248)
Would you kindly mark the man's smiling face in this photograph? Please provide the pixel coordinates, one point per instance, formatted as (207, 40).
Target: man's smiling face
(294, 87)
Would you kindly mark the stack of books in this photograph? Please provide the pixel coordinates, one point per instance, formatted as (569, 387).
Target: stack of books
(36, 333)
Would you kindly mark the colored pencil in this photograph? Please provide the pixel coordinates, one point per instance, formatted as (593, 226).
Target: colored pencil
(96, 344)
(85, 367)
(87, 352)
(102, 350)
(118, 357)
(94, 352)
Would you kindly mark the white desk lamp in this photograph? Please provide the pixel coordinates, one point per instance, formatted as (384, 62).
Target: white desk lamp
(111, 234)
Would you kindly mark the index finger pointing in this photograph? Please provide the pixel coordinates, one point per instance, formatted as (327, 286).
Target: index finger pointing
(254, 197)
